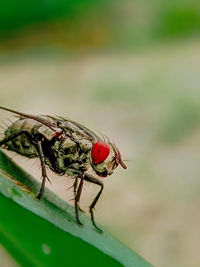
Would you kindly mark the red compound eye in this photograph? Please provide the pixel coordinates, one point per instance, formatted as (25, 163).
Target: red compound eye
(99, 152)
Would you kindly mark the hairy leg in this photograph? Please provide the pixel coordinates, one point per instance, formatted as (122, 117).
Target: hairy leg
(91, 179)
(77, 198)
(44, 172)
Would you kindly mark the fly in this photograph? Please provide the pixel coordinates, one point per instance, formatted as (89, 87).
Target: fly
(67, 148)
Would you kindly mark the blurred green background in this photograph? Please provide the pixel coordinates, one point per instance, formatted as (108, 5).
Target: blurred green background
(129, 69)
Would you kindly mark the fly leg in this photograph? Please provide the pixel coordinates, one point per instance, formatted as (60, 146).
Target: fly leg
(75, 184)
(44, 172)
(94, 180)
(77, 198)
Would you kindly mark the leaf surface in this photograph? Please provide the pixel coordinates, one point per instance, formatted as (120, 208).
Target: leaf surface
(45, 232)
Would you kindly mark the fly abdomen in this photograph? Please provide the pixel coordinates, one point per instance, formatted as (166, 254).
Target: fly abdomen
(22, 143)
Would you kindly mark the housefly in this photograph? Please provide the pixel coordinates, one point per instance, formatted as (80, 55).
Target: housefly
(67, 148)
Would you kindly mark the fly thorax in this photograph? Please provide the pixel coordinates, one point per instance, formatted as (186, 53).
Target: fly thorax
(73, 156)
(68, 146)
(67, 152)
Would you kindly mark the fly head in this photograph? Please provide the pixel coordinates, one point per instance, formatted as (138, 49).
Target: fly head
(105, 157)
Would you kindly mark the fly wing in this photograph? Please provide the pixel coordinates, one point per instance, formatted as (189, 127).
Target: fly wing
(57, 123)
(50, 125)
(77, 128)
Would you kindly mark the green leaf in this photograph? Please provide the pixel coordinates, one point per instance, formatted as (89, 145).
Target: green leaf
(45, 232)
